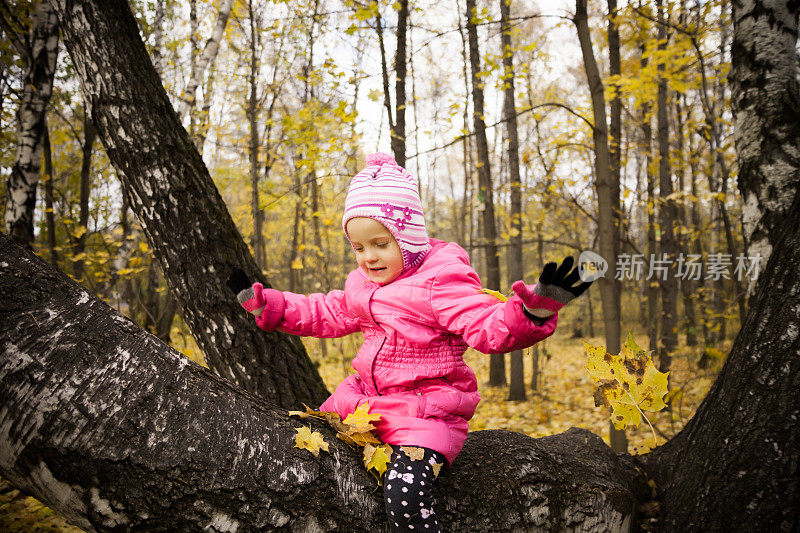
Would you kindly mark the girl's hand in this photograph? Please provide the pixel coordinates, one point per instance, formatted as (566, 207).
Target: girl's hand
(555, 289)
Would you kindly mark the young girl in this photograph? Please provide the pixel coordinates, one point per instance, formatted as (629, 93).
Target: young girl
(418, 303)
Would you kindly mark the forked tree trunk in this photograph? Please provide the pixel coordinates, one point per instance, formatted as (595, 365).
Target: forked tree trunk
(114, 429)
(181, 212)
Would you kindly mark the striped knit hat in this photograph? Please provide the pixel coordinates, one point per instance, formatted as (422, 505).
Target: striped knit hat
(386, 192)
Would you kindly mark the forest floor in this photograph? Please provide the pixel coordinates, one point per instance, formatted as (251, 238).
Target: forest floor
(564, 399)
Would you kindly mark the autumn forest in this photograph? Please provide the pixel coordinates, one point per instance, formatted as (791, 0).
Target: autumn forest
(148, 147)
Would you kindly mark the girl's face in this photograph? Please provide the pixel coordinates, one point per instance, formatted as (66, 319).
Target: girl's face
(377, 252)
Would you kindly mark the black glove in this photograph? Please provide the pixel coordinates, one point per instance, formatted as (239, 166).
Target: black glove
(237, 279)
(560, 277)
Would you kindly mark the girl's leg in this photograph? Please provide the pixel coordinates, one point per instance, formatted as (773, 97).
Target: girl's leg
(408, 491)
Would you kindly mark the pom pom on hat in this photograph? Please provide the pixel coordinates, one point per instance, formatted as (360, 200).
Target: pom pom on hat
(390, 195)
(380, 158)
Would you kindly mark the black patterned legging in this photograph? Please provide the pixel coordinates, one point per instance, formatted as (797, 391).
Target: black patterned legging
(408, 491)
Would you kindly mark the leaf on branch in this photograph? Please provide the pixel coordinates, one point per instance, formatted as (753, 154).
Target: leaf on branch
(361, 420)
(308, 440)
(628, 383)
(377, 457)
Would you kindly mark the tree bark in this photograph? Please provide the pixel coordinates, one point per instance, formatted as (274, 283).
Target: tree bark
(89, 136)
(40, 66)
(667, 211)
(49, 215)
(516, 391)
(609, 289)
(617, 437)
(181, 212)
(736, 461)
(497, 369)
(184, 450)
(686, 284)
(766, 117)
(252, 120)
(399, 132)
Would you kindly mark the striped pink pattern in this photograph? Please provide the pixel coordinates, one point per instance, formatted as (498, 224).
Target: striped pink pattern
(388, 193)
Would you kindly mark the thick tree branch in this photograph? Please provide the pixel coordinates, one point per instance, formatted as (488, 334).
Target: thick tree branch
(114, 429)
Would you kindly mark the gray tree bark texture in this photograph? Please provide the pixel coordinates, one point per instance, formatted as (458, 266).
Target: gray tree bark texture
(40, 53)
(181, 212)
(115, 430)
(735, 465)
(766, 103)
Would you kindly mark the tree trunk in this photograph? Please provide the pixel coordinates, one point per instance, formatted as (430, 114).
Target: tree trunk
(89, 135)
(399, 131)
(602, 166)
(515, 269)
(497, 369)
(181, 212)
(186, 451)
(736, 461)
(49, 215)
(686, 284)
(206, 59)
(667, 212)
(761, 116)
(617, 437)
(252, 119)
(40, 65)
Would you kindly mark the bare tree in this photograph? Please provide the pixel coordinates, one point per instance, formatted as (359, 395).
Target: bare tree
(516, 390)
(609, 289)
(497, 368)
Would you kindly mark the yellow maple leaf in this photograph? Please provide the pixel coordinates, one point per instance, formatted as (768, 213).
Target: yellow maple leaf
(377, 457)
(364, 438)
(308, 440)
(628, 383)
(361, 420)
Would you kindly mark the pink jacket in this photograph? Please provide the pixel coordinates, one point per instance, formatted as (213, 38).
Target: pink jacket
(416, 330)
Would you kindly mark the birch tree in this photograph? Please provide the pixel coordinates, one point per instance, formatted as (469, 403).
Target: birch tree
(39, 49)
